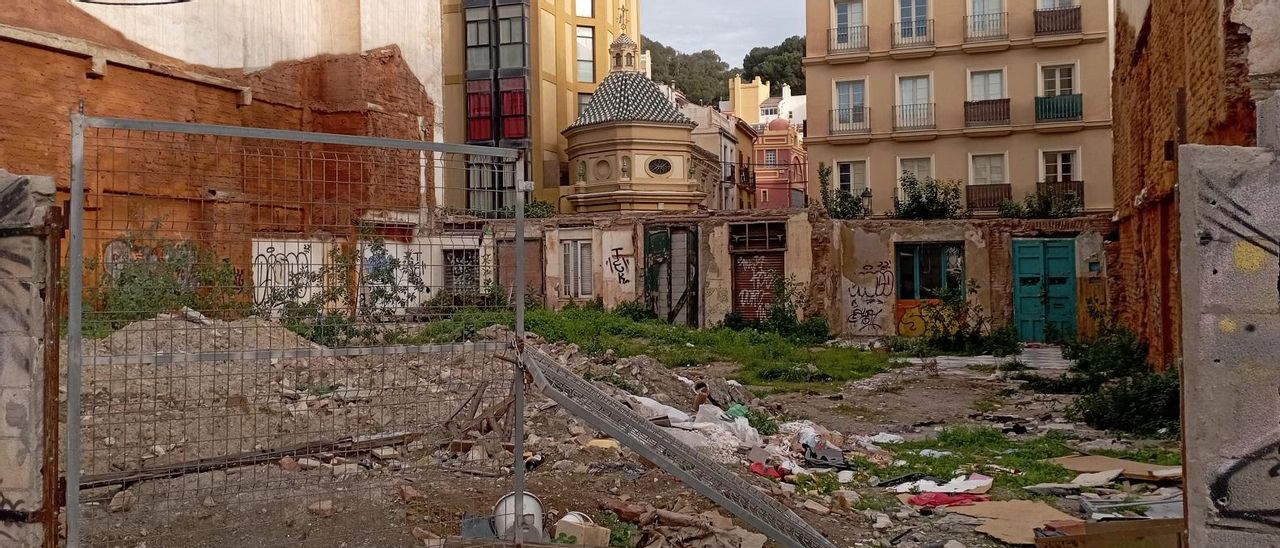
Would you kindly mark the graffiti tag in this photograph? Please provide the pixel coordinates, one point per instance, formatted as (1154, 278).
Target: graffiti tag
(867, 300)
(277, 270)
(620, 265)
(1245, 490)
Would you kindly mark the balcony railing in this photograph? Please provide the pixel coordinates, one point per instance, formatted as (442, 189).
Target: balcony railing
(987, 26)
(1060, 108)
(915, 33)
(911, 117)
(987, 197)
(847, 39)
(850, 121)
(1060, 190)
(990, 112)
(1058, 21)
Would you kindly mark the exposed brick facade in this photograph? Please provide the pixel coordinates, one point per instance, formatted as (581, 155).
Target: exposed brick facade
(221, 187)
(1191, 49)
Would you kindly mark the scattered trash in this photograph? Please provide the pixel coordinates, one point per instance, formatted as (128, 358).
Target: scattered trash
(885, 438)
(934, 500)
(1165, 533)
(610, 444)
(845, 476)
(1131, 469)
(1097, 479)
(1014, 521)
(934, 454)
(974, 484)
(1054, 489)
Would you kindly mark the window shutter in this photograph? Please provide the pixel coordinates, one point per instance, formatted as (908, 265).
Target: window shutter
(566, 263)
(584, 270)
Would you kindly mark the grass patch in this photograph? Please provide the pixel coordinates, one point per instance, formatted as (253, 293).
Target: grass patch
(877, 502)
(766, 358)
(973, 448)
(988, 403)
(981, 367)
(855, 410)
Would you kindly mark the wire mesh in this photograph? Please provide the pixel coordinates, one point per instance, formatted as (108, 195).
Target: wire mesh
(287, 341)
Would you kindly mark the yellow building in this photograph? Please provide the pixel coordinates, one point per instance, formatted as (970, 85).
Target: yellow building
(1009, 96)
(745, 98)
(517, 73)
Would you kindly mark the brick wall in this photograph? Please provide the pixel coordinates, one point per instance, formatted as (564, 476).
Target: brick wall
(206, 187)
(1170, 48)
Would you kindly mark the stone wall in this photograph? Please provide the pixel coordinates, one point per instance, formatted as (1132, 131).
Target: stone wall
(25, 204)
(1230, 199)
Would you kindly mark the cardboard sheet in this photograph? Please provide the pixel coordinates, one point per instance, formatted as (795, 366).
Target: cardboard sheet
(1132, 470)
(1012, 521)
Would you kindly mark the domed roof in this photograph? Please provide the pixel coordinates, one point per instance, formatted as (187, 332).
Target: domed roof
(630, 97)
(624, 40)
(779, 124)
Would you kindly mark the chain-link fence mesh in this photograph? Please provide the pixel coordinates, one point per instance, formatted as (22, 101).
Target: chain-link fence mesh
(287, 341)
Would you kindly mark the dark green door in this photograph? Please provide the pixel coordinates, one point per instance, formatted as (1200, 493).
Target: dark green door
(1044, 274)
(671, 273)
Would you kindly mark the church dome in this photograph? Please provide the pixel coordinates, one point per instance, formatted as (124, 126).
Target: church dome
(779, 124)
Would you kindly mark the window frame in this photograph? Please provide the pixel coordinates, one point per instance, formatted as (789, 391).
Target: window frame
(514, 104)
(588, 63)
(1076, 87)
(590, 11)
(507, 25)
(479, 110)
(918, 250)
(1077, 167)
(572, 273)
(473, 41)
(582, 106)
(866, 175)
(973, 167)
(1004, 82)
(771, 157)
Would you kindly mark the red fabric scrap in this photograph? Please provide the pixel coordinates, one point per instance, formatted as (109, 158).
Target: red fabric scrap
(934, 500)
(759, 469)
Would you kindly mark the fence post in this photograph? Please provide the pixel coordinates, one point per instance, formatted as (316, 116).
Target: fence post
(29, 252)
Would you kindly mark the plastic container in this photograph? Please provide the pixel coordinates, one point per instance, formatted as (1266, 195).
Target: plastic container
(504, 512)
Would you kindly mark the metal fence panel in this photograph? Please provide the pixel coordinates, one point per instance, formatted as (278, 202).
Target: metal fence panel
(280, 338)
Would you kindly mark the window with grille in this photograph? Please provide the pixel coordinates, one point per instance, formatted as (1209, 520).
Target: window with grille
(771, 157)
(577, 263)
(462, 270)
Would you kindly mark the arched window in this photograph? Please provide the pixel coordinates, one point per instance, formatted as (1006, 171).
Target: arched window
(631, 60)
(617, 60)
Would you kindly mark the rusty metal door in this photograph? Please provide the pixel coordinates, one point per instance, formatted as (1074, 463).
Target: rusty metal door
(755, 276)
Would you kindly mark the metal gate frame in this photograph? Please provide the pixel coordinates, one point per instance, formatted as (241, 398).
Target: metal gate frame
(76, 262)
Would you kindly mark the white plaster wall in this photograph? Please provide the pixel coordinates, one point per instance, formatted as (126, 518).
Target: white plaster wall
(255, 34)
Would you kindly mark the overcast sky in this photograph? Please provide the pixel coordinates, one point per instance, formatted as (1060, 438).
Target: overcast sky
(731, 27)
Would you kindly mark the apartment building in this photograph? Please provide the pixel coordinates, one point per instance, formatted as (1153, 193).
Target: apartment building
(1011, 97)
(517, 73)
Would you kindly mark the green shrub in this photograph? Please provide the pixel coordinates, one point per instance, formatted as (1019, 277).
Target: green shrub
(839, 203)
(637, 310)
(1145, 404)
(927, 199)
(955, 324)
(620, 532)
(763, 423)
(1043, 206)
(161, 275)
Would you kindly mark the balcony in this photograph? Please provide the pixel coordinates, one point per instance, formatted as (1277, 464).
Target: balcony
(986, 27)
(847, 40)
(851, 121)
(1060, 108)
(914, 35)
(1058, 27)
(913, 117)
(1060, 190)
(991, 112)
(987, 197)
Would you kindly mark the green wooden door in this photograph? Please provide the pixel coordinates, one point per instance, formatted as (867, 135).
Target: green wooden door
(1044, 277)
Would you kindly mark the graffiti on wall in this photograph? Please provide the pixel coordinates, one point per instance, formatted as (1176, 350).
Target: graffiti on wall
(869, 297)
(276, 270)
(620, 266)
(1248, 489)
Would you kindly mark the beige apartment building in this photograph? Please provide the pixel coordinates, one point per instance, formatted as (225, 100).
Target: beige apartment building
(1010, 97)
(516, 74)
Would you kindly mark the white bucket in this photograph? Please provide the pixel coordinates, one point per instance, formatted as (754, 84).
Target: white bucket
(504, 516)
(578, 518)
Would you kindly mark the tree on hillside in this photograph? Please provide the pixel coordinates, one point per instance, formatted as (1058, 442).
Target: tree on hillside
(702, 76)
(778, 65)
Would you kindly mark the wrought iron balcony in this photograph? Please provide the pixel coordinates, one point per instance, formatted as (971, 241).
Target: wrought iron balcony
(990, 112)
(1060, 190)
(850, 121)
(1058, 21)
(987, 197)
(917, 33)
(851, 39)
(1060, 108)
(987, 26)
(913, 117)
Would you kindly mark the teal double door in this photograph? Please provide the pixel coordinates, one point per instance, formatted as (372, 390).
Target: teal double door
(1044, 280)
